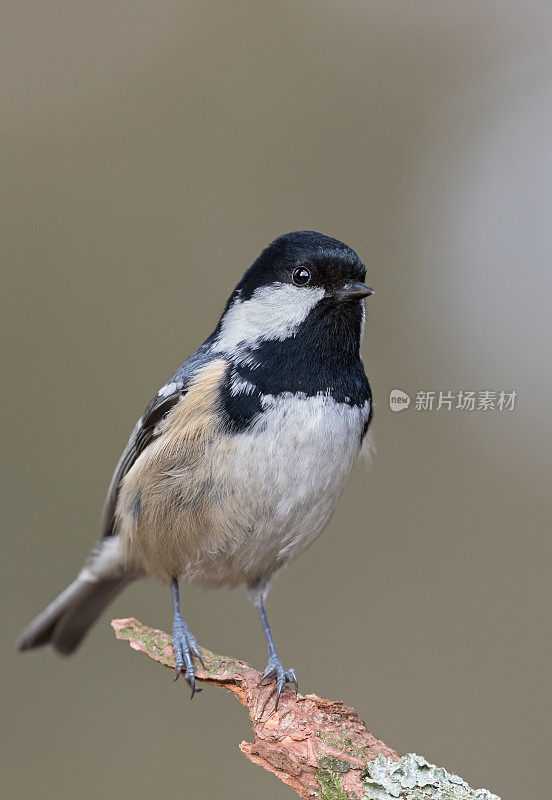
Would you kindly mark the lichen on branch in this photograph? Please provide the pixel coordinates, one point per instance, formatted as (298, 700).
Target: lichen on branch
(320, 748)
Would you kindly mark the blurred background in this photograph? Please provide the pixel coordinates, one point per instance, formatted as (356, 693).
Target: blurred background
(149, 151)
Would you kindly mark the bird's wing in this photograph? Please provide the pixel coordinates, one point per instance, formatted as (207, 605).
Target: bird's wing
(148, 427)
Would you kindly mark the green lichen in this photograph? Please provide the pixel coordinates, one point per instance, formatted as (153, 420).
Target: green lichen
(125, 632)
(413, 778)
(329, 774)
(218, 663)
(157, 642)
(353, 749)
(153, 641)
(343, 743)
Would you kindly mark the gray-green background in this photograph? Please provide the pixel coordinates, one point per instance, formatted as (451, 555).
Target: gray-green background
(149, 150)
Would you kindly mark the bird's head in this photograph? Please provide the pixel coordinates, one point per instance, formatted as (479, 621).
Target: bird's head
(303, 283)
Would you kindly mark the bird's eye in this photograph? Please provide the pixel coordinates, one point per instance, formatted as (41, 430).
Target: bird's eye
(301, 276)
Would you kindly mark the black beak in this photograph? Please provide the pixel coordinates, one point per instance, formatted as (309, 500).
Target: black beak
(354, 290)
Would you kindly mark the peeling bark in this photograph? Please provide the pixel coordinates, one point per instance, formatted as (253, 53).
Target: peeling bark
(320, 748)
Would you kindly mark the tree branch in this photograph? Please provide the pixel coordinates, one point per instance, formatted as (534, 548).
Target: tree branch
(320, 748)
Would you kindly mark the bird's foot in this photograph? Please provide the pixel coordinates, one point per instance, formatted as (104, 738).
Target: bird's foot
(185, 646)
(282, 676)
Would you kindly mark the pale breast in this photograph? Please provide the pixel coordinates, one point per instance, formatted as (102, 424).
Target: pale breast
(283, 478)
(219, 507)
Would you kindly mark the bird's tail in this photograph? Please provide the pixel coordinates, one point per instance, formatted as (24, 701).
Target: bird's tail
(66, 621)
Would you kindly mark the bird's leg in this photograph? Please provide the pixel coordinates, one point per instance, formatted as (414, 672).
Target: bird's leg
(275, 668)
(184, 643)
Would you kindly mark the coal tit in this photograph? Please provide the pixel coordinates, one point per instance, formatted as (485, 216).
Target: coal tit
(237, 463)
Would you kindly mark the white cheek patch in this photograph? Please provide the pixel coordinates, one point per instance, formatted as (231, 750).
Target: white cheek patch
(272, 312)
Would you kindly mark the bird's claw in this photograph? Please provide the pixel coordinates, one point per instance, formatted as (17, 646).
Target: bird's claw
(185, 645)
(282, 676)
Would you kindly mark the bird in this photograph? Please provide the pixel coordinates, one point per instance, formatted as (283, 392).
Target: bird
(236, 465)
